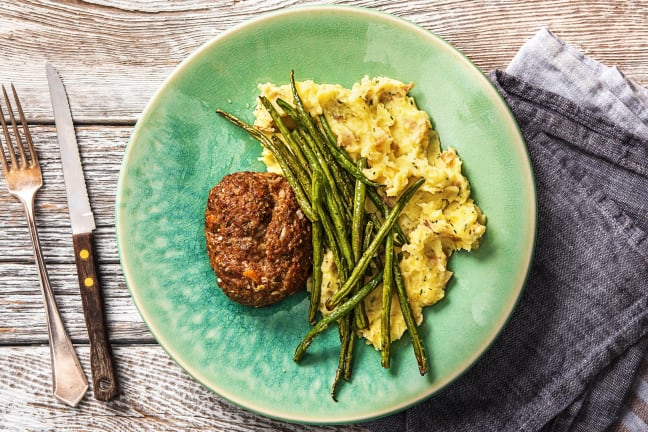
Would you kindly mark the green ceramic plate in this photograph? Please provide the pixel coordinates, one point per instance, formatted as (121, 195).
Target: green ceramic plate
(180, 148)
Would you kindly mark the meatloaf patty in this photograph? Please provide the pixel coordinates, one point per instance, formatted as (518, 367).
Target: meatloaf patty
(258, 239)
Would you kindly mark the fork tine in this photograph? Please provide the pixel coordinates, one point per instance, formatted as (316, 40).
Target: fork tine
(5, 167)
(14, 126)
(26, 133)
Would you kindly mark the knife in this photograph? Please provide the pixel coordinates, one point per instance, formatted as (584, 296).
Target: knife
(104, 379)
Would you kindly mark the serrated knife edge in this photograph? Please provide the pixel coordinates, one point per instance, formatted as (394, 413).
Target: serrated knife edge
(81, 216)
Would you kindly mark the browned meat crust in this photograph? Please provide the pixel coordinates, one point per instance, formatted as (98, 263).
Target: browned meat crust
(258, 239)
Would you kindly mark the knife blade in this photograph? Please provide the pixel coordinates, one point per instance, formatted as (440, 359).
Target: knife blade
(104, 379)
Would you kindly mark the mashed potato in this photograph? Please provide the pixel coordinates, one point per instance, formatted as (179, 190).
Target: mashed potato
(378, 120)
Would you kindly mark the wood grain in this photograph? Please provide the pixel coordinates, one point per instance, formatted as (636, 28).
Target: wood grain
(113, 55)
(159, 397)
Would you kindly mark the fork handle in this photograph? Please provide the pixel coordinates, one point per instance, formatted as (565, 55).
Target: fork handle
(104, 378)
(69, 381)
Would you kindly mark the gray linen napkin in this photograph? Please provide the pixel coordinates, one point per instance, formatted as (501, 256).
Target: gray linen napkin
(571, 349)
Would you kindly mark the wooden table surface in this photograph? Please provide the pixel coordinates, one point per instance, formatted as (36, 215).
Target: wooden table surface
(113, 55)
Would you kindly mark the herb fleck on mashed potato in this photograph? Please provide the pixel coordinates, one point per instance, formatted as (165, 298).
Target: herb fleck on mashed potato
(378, 120)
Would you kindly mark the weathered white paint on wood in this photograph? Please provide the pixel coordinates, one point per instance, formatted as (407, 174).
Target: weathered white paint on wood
(113, 55)
(158, 397)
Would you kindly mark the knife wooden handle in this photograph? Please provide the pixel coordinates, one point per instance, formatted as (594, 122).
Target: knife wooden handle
(104, 379)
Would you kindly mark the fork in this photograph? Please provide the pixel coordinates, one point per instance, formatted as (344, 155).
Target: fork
(23, 174)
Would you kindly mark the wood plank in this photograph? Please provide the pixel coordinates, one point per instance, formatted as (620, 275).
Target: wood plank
(156, 395)
(23, 318)
(114, 55)
(101, 150)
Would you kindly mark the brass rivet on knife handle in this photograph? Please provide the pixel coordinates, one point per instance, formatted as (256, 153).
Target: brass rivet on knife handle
(104, 378)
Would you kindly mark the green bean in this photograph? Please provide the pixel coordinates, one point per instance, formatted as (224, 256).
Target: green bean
(384, 210)
(330, 230)
(340, 229)
(343, 158)
(359, 198)
(328, 176)
(331, 239)
(280, 150)
(368, 235)
(306, 120)
(385, 321)
(344, 186)
(361, 320)
(288, 109)
(340, 155)
(408, 316)
(329, 133)
(283, 129)
(346, 352)
(371, 191)
(386, 227)
(375, 264)
(349, 356)
(302, 197)
(318, 250)
(335, 208)
(338, 313)
(303, 115)
(299, 172)
(342, 179)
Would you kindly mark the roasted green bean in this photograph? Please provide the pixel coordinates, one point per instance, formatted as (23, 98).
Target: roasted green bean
(417, 344)
(302, 197)
(385, 320)
(386, 227)
(318, 252)
(338, 313)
